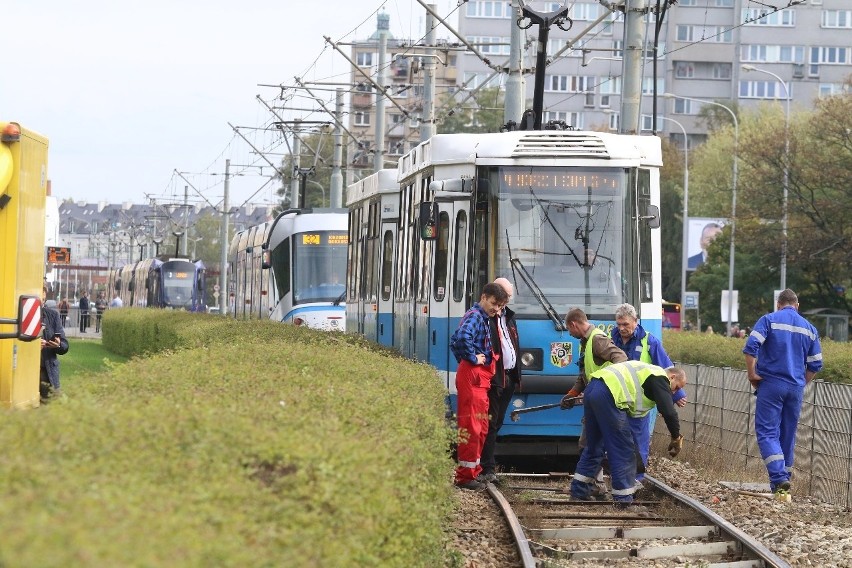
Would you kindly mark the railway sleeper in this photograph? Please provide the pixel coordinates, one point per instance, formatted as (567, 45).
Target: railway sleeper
(702, 550)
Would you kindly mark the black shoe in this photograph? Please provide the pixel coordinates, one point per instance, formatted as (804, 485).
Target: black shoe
(489, 477)
(473, 485)
(783, 486)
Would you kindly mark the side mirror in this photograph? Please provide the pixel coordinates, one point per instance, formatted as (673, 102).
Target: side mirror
(428, 220)
(266, 262)
(29, 318)
(652, 216)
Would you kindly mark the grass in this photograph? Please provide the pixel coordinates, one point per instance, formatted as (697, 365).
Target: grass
(86, 357)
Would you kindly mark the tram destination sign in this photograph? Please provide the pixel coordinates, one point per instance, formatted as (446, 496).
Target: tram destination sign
(571, 179)
(59, 255)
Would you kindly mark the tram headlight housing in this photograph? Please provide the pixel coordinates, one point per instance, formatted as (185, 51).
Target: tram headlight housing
(532, 359)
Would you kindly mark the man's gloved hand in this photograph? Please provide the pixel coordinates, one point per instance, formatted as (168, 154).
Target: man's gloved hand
(675, 446)
(568, 401)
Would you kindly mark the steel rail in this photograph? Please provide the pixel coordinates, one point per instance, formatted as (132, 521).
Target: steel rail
(521, 539)
(748, 541)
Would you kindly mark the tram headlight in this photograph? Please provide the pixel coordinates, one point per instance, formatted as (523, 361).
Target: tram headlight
(532, 359)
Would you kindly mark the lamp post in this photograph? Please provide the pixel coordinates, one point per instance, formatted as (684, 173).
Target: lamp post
(733, 198)
(786, 179)
(685, 253)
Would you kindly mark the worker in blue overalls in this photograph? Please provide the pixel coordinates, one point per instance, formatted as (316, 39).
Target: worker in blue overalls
(615, 392)
(639, 345)
(782, 356)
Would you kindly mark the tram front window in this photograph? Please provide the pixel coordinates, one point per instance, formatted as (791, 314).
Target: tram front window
(319, 266)
(177, 288)
(566, 231)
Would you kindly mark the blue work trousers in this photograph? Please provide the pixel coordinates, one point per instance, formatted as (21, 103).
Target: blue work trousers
(776, 418)
(607, 430)
(641, 430)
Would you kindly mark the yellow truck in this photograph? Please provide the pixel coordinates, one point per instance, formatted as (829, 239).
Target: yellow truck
(23, 189)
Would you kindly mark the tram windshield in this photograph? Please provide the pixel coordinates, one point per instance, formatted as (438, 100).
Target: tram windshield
(564, 232)
(178, 280)
(319, 266)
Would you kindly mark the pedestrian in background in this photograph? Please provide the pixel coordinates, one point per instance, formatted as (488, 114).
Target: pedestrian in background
(116, 302)
(639, 345)
(504, 338)
(100, 306)
(53, 343)
(630, 388)
(782, 355)
(84, 311)
(472, 347)
(63, 311)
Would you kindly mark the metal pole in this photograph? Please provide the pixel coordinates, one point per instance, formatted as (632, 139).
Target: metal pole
(733, 200)
(634, 34)
(427, 122)
(295, 165)
(379, 156)
(183, 248)
(337, 157)
(513, 105)
(224, 245)
(786, 179)
(684, 251)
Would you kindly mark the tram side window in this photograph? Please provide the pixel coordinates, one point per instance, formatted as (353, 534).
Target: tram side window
(441, 259)
(646, 279)
(281, 262)
(387, 265)
(460, 256)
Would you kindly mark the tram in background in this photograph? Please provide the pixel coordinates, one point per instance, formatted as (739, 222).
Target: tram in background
(291, 269)
(671, 316)
(568, 216)
(169, 283)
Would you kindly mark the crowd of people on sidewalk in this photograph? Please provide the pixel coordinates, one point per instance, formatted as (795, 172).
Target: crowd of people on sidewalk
(625, 378)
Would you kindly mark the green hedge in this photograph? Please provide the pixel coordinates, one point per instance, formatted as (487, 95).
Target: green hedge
(255, 444)
(720, 351)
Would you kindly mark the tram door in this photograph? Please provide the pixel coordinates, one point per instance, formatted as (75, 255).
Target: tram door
(447, 303)
(384, 317)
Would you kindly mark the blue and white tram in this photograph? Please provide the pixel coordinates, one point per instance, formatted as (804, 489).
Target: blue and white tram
(292, 269)
(567, 216)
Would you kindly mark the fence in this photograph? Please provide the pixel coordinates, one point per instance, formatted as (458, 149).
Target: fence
(720, 414)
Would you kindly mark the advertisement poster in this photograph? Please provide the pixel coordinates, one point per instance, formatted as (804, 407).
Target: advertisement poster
(702, 232)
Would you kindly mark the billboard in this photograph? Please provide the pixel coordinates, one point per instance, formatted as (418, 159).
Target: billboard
(702, 232)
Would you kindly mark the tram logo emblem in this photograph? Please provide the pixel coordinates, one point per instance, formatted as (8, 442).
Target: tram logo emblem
(561, 353)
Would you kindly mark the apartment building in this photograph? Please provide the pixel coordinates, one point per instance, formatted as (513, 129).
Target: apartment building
(703, 45)
(404, 76)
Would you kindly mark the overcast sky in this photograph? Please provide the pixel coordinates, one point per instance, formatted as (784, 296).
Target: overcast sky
(128, 91)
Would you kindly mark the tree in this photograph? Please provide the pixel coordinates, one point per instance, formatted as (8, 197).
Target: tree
(671, 209)
(317, 151)
(481, 113)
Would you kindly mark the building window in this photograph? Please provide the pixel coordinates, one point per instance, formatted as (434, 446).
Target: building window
(683, 106)
(837, 19)
(830, 55)
(362, 119)
(761, 17)
(364, 59)
(648, 123)
(684, 70)
(490, 45)
(584, 12)
(571, 83)
(831, 89)
(489, 9)
(574, 119)
(762, 90)
(648, 85)
(613, 121)
(721, 70)
(610, 86)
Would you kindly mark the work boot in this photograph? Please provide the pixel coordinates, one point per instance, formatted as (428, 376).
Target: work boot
(489, 477)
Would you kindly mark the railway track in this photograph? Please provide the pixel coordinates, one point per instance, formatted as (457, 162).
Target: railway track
(662, 528)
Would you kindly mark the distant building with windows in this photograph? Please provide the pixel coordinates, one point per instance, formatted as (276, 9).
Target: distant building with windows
(806, 45)
(404, 79)
(105, 235)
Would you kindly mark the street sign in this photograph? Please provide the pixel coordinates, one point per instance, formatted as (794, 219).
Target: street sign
(690, 301)
(215, 287)
(59, 255)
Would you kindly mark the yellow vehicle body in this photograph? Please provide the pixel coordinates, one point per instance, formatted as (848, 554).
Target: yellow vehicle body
(23, 189)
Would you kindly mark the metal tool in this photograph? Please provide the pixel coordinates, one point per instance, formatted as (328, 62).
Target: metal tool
(515, 413)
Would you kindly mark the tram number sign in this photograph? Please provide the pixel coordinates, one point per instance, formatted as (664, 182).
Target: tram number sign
(59, 255)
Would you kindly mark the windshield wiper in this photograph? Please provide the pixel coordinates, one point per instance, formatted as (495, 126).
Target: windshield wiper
(339, 299)
(539, 295)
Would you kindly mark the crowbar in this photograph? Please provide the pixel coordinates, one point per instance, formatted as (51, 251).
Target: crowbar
(514, 416)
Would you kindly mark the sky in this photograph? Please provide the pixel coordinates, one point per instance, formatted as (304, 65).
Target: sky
(130, 92)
